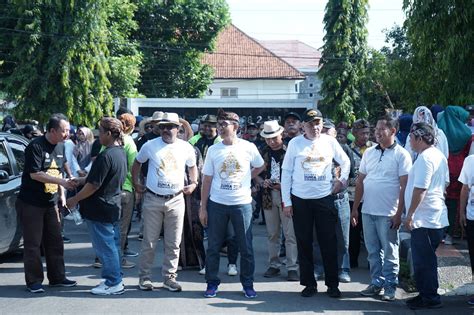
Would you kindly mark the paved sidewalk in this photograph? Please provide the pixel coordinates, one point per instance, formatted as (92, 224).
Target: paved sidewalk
(274, 295)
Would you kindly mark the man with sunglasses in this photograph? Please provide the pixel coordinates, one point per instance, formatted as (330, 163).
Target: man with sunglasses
(308, 195)
(163, 202)
(226, 196)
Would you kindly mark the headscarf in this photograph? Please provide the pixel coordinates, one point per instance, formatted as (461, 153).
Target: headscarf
(423, 114)
(452, 122)
(82, 150)
(405, 121)
(435, 110)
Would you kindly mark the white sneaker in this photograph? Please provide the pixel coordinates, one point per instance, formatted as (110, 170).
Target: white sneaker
(232, 270)
(103, 289)
(202, 271)
(448, 240)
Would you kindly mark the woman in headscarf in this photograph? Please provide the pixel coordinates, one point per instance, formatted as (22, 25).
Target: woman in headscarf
(423, 114)
(452, 122)
(192, 252)
(82, 150)
(405, 121)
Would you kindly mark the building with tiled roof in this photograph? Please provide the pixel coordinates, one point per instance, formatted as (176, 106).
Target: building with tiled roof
(244, 68)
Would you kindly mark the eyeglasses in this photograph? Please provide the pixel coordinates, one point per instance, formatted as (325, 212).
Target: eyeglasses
(225, 123)
(148, 126)
(167, 127)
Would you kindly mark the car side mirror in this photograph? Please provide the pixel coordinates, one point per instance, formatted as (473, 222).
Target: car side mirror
(4, 177)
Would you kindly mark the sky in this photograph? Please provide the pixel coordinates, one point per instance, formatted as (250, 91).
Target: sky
(303, 19)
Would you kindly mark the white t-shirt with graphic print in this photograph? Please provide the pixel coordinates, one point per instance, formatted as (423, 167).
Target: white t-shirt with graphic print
(230, 167)
(167, 164)
(467, 178)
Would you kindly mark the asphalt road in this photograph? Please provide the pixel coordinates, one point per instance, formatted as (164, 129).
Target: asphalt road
(275, 295)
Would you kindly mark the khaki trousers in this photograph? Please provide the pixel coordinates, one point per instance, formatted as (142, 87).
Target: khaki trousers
(276, 220)
(158, 212)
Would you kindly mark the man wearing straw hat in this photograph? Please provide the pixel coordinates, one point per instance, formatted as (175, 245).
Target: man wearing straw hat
(273, 154)
(163, 202)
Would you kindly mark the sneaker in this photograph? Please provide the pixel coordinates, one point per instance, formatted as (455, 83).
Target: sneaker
(271, 272)
(202, 271)
(232, 270)
(211, 290)
(371, 290)
(344, 277)
(64, 283)
(334, 292)
(145, 285)
(293, 275)
(97, 263)
(448, 240)
(249, 292)
(103, 289)
(36, 288)
(127, 264)
(129, 253)
(319, 276)
(172, 285)
(389, 293)
(140, 237)
(68, 217)
(66, 240)
(309, 291)
(471, 301)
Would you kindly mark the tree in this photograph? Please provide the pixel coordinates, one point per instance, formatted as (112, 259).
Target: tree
(343, 59)
(59, 57)
(173, 36)
(441, 37)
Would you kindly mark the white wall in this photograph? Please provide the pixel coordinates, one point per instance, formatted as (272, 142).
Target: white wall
(256, 89)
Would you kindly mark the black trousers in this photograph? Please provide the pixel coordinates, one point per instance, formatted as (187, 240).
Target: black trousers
(470, 241)
(321, 215)
(355, 235)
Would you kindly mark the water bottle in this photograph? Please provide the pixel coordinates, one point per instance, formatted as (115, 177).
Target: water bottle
(76, 215)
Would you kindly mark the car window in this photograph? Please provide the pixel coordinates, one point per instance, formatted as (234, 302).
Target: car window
(5, 164)
(18, 149)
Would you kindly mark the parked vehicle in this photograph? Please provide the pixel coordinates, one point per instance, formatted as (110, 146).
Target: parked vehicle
(12, 163)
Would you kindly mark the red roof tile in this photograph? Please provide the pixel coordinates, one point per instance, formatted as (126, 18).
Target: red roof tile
(296, 53)
(238, 56)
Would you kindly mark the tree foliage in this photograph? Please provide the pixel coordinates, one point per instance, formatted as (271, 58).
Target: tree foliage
(58, 57)
(343, 59)
(173, 35)
(441, 37)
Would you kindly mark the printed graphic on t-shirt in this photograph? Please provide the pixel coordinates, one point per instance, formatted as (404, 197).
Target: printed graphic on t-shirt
(231, 173)
(275, 170)
(313, 165)
(167, 170)
(54, 172)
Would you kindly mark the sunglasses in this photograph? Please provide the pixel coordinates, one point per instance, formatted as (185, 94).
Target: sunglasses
(167, 127)
(149, 127)
(225, 123)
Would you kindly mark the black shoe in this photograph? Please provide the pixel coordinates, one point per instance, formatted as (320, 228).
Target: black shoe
(334, 292)
(416, 304)
(64, 283)
(66, 240)
(271, 272)
(309, 291)
(413, 300)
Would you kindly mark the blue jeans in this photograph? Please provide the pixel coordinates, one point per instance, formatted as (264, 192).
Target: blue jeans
(106, 242)
(342, 235)
(424, 242)
(381, 242)
(232, 247)
(219, 216)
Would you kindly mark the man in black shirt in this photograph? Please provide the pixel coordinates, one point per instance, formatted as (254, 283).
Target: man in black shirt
(37, 206)
(292, 123)
(209, 135)
(101, 203)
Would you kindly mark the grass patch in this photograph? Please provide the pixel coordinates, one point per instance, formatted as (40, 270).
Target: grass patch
(406, 282)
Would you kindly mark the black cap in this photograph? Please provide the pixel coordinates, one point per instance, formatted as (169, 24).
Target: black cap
(209, 119)
(292, 114)
(328, 124)
(312, 114)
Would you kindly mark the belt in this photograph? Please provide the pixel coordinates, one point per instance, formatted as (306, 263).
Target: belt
(164, 196)
(340, 195)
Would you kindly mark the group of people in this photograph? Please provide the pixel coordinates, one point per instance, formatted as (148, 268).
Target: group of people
(321, 187)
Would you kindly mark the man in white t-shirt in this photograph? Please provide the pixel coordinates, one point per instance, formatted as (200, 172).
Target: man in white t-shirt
(427, 214)
(226, 196)
(382, 179)
(163, 203)
(308, 188)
